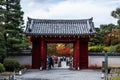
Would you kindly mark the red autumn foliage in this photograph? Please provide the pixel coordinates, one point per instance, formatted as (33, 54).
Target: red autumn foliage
(65, 51)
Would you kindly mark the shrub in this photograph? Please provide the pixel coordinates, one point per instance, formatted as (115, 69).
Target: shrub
(28, 66)
(11, 64)
(118, 47)
(112, 49)
(1, 67)
(97, 48)
(115, 78)
(106, 48)
(2, 57)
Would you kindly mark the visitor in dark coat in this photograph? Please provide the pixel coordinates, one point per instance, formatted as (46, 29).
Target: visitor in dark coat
(50, 62)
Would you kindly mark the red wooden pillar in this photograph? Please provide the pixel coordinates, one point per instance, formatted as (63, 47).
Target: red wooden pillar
(35, 53)
(84, 53)
(76, 57)
(43, 54)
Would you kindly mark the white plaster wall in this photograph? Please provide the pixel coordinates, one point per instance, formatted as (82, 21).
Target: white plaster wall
(23, 59)
(113, 61)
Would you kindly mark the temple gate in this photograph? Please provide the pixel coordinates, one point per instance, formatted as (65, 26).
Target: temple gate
(43, 31)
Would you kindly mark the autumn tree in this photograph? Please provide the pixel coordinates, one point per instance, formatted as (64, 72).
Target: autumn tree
(64, 49)
(112, 38)
(60, 49)
(51, 49)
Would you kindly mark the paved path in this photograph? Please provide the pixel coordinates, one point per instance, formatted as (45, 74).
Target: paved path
(63, 74)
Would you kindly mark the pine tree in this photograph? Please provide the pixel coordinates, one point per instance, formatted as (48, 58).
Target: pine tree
(11, 23)
(2, 48)
(116, 14)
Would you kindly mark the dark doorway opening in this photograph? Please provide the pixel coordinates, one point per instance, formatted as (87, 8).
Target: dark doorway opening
(59, 55)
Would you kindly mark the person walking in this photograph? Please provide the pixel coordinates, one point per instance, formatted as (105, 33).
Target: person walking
(50, 62)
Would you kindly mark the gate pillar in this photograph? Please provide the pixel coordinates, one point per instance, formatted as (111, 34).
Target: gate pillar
(43, 54)
(84, 53)
(76, 56)
(35, 53)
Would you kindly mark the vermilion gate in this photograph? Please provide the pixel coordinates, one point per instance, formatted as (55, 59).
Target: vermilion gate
(43, 31)
(80, 55)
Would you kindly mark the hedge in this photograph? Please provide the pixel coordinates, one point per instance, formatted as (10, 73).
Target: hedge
(11, 64)
(2, 67)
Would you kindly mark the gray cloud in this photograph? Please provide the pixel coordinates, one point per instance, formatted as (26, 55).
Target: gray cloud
(48, 1)
(99, 9)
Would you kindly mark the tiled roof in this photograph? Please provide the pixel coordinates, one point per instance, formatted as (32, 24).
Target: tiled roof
(59, 27)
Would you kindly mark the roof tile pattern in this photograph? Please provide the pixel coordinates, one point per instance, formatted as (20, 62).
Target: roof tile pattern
(59, 27)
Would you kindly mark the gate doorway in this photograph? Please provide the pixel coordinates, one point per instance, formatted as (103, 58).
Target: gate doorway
(59, 55)
(39, 52)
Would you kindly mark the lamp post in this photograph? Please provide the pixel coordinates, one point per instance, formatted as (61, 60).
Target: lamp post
(106, 56)
(106, 64)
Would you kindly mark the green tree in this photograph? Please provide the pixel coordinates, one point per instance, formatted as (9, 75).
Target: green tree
(108, 34)
(116, 14)
(103, 31)
(2, 48)
(97, 40)
(11, 22)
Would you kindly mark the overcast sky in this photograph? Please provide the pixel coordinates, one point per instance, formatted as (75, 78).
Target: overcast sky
(100, 10)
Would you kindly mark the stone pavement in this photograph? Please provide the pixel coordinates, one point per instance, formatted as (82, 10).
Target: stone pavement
(61, 74)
